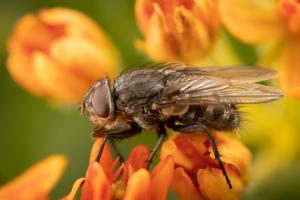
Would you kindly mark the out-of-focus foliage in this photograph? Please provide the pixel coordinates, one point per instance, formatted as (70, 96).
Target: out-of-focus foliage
(31, 128)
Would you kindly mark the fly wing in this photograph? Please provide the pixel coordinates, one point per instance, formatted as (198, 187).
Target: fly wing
(244, 74)
(199, 89)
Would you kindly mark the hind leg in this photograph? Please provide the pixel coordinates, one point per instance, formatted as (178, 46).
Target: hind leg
(194, 128)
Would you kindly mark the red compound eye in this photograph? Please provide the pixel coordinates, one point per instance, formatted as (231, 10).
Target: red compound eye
(101, 101)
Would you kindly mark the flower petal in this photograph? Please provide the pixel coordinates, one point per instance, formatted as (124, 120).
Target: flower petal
(233, 152)
(23, 34)
(189, 151)
(37, 181)
(60, 86)
(136, 160)
(213, 186)
(76, 23)
(92, 62)
(19, 66)
(289, 68)
(183, 185)
(97, 185)
(161, 177)
(159, 36)
(138, 186)
(143, 12)
(78, 183)
(106, 160)
(191, 33)
(138, 156)
(255, 18)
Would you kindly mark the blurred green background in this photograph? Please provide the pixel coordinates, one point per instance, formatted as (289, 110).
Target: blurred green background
(31, 128)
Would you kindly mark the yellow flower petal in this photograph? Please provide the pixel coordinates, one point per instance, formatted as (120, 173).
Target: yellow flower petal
(161, 177)
(78, 183)
(289, 68)
(183, 186)
(252, 21)
(159, 36)
(233, 152)
(77, 24)
(37, 181)
(60, 85)
(138, 186)
(213, 186)
(23, 73)
(192, 34)
(76, 62)
(143, 10)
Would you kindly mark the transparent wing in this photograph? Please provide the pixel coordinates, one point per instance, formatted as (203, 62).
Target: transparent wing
(244, 74)
(194, 89)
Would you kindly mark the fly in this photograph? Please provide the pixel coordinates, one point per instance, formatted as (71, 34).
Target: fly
(163, 96)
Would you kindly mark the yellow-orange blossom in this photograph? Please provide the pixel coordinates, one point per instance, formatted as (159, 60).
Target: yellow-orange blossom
(58, 53)
(176, 30)
(257, 22)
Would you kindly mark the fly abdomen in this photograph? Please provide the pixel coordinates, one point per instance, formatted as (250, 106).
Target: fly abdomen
(217, 116)
(221, 117)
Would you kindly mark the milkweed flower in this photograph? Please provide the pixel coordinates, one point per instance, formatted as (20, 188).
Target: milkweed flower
(197, 175)
(37, 181)
(58, 53)
(180, 30)
(102, 182)
(258, 22)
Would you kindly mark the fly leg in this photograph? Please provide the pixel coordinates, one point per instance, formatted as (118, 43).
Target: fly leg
(115, 134)
(162, 134)
(115, 149)
(193, 128)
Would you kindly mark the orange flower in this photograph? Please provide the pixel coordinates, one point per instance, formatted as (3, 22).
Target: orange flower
(37, 181)
(181, 30)
(265, 21)
(101, 182)
(58, 53)
(198, 175)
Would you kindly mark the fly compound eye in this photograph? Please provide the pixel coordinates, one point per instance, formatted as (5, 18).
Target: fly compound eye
(101, 100)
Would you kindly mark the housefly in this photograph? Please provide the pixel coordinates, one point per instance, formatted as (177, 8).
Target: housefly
(176, 96)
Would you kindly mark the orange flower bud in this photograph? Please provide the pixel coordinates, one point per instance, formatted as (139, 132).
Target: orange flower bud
(181, 30)
(58, 53)
(198, 175)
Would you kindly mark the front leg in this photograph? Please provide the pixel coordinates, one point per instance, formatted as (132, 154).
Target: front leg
(162, 134)
(197, 127)
(115, 134)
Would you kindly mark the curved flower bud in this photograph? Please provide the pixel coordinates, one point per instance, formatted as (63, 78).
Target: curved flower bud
(198, 175)
(37, 181)
(58, 53)
(181, 30)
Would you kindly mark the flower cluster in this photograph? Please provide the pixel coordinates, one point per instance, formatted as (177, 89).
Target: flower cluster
(187, 165)
(135, 182)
